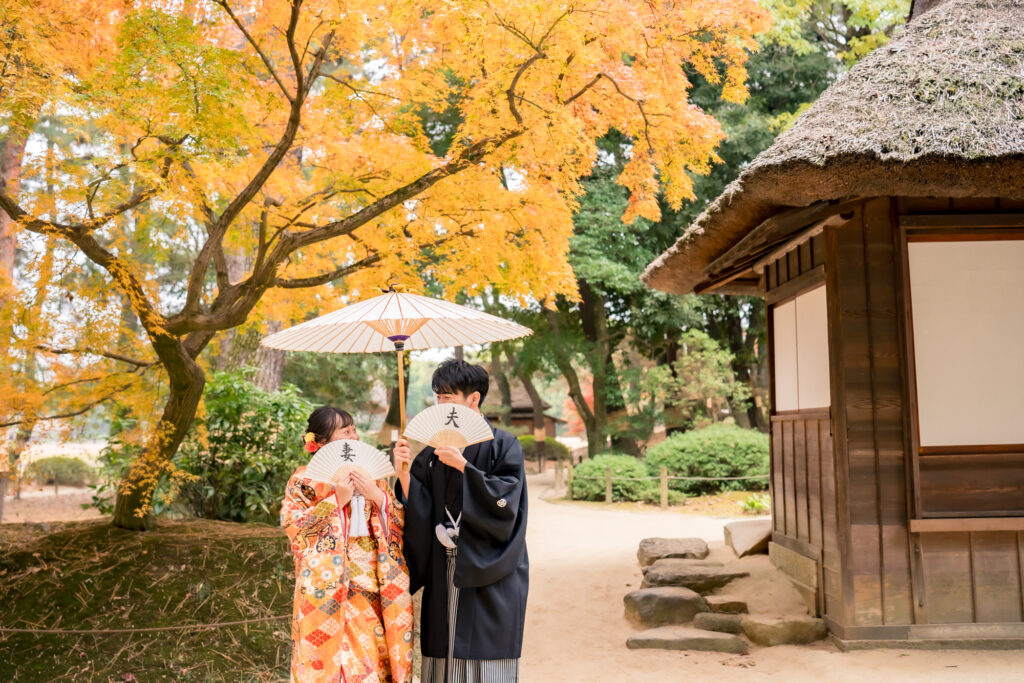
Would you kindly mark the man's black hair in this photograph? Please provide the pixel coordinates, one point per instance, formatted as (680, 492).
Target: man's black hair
(324, 420)
(457, 376)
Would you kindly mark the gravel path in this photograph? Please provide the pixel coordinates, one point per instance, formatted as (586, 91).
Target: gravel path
(583, 560)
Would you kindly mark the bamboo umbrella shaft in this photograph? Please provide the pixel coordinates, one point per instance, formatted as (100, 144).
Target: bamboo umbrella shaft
(400, 347)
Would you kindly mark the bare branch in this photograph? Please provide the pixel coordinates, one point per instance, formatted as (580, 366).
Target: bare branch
(62, 416)
(324, 278)
(510, 93)
(257, 48)
(90, 352)
(234, 208)
(638, 102)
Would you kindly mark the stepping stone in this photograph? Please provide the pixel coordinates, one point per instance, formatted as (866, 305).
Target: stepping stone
(715, 621)
(768, 630)
(686, 638)
(652, 549)
(692, 563)
(663, 605)
(750, 537)
(726, 604)
(695, 575)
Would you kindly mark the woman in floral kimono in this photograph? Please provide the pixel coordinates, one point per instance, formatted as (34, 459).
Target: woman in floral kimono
(352, 615)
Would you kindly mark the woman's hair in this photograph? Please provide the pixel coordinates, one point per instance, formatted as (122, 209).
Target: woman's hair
(457, 376)
(324, 420)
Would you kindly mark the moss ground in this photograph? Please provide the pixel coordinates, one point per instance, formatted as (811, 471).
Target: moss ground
(88, 575)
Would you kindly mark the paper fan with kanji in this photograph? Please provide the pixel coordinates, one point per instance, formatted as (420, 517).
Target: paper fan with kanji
(449, 424)
(348, 453)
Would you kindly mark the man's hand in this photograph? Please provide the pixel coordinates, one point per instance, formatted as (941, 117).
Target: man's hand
(451, 456)
(403, 463)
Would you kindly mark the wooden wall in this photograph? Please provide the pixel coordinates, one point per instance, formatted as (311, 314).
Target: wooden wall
(868, 409)
(804, 499)
(967, 576)
(803, 259)
(847, 483)
(802, 463)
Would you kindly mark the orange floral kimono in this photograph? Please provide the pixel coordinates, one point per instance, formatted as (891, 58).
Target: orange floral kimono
(352, 613)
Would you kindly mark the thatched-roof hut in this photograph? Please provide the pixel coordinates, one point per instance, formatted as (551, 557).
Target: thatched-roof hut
(885, 230)
(521, 413)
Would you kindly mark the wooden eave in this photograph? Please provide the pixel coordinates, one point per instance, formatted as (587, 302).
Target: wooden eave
(735, 271)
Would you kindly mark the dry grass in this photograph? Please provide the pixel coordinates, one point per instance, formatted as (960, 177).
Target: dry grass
(88, 575)
(728, 504)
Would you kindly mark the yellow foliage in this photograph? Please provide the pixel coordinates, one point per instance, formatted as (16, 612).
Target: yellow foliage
(207, 156)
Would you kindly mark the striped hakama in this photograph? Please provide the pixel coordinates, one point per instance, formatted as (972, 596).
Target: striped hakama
(464, 670)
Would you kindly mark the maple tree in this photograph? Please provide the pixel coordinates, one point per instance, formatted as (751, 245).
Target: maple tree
(215, 157)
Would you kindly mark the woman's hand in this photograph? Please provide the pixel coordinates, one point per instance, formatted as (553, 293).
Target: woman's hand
(343, 488)
(403, 463)
(366, 487)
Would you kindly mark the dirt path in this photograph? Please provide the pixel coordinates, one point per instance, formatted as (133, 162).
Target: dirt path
(39, 504)
(583, 560)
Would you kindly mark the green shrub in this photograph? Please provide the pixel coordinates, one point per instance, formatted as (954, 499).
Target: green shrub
(757, 503)
(588, 478)
(243, 449)
(553, 448)
(717, 451)
(60, 470)
(653, 496)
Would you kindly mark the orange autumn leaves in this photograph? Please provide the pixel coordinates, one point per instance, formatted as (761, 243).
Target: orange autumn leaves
(485, 114)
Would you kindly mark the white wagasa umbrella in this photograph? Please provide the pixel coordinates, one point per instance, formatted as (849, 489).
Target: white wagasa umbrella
(396, 321)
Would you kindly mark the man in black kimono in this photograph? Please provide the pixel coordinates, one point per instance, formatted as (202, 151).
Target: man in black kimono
(465, 543)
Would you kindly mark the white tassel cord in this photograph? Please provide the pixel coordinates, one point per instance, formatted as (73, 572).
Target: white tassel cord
(357, 526)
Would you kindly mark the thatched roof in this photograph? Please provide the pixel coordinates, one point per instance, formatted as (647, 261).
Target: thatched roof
(939, 111)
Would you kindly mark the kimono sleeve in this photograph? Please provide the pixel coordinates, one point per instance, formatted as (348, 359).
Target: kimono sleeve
(492, 536)
(419, 524)
(304, 507)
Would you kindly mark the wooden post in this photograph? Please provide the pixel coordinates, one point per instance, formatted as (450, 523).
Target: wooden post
(607, 484)
(568, 479)
(558, 474)
(664, 488)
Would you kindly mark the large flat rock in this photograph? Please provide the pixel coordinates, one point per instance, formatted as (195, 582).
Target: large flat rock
(663, 605)
(726, 604)
(798, 630)
(690, 563)
(750, 537)
(686, 638)
(718, 621)
(693, 574)
(652, 549)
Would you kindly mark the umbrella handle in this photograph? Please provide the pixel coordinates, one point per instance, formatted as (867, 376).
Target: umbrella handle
(400, 347)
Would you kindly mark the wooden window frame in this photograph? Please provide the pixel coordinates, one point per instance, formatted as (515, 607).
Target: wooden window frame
(947, 227)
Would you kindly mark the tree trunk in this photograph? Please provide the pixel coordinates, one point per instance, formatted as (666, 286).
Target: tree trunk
(504, 388)
(132, 509)
(748, 357)
(594, 439)
(12, 150)
(391, 421)
(270, 363)
(539, 432)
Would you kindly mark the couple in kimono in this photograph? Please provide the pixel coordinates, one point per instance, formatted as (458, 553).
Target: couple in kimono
(454, 524)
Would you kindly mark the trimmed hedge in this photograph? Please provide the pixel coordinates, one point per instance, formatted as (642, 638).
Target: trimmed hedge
(588, 479)
(720, 450)
(60, 470)
(553, 448)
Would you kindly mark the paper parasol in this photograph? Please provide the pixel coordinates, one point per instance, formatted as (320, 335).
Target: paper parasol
(396, 321)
